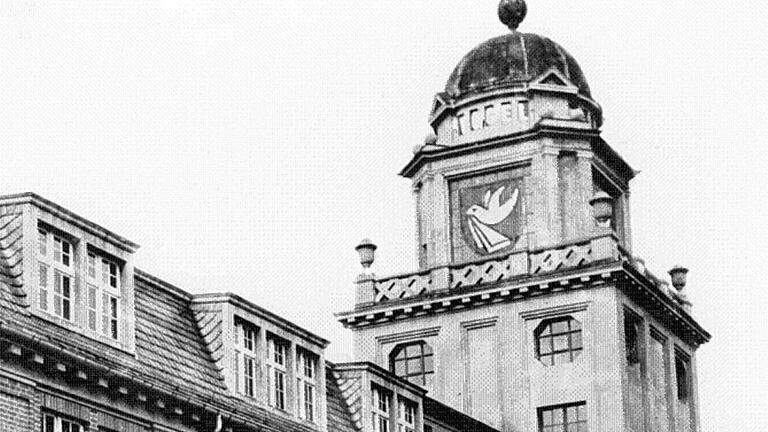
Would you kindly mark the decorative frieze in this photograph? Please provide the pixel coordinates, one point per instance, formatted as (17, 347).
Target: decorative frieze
(402, 287)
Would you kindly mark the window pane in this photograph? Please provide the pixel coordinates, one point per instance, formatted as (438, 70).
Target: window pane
(560, 327)
(546, 417)
(427, 349)
(557, 416)
(545, 346)
(571, 414)
(414, 366)
(575, 325)
(429, 365)
(413, 350)
(573, 427)
(399, 367)
(546, 331)
(582, 427)
(582, 412)
(560, 343)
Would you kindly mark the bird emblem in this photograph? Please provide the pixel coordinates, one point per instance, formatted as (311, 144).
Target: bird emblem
(492, 212)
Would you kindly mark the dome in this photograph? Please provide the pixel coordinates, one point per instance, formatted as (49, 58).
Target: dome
(512, 59)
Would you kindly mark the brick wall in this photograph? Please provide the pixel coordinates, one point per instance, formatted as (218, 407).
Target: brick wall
(19, 407)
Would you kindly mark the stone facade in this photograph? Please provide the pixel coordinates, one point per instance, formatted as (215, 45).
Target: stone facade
(535, 311)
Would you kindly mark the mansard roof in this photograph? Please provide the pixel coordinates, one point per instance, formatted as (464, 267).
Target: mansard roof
(171, 358)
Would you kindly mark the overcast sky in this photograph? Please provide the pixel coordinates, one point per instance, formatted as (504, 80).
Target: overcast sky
(248, 146)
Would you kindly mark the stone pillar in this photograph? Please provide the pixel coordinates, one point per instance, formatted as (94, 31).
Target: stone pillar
(551, 232)
(583, 211)
(441, 223)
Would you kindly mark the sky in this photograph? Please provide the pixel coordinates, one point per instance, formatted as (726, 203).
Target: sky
(249, 146)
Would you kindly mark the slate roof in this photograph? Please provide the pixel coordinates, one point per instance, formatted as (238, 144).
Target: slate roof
(171, 355)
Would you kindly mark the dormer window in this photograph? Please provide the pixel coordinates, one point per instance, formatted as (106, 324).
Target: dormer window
(380, 400)
(245, 362)
(306, 380)
(406, 415)
(55, 268)
(62, 251)
(103, 295)
(276, 370)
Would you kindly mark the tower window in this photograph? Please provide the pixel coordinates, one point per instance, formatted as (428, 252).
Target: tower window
(490, 116)
(563, 418)
(682, 373)
(475, 119)
(558, 340)
(413, 361)
(632, 325)
(522, 110)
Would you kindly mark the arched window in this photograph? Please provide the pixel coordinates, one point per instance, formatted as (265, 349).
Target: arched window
(414, 362)
(558, 340)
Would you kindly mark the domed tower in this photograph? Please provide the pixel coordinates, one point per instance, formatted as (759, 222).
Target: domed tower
(528, 310)
(517, 114)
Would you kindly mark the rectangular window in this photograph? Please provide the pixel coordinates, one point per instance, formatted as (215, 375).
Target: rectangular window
(682, 374)
(563, 418)
(113, 318)
(506, 112)
(249, 367)
(490, 115)
(522, 110)
(380, 409)
(632, 336)
(475, 119)
(91, 266)
(93, 309)
(276, 370)
(52, 423)
(62, 295)
(62, 251)
(43, 285)
(306, 364)
(406, 415)
(245, 367)
(42, 242)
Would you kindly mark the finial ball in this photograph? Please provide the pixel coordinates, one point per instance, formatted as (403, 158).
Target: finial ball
(512, 12)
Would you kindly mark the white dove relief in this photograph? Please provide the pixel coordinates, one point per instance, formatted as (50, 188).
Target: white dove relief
(479, 219)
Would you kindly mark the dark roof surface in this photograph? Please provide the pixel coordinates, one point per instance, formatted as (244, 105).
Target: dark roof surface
(512, 58)
(171, 356)
(444, 414)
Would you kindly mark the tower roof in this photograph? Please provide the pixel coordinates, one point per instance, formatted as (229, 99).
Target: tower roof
(513, 60)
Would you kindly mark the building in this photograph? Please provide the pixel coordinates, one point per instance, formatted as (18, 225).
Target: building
(528, 311)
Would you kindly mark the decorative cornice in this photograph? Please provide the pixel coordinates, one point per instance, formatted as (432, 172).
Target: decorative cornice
(71, 217)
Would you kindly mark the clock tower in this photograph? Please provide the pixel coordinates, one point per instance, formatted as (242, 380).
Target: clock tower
(528, 309)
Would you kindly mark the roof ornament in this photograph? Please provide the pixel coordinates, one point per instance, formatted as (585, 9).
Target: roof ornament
(512, 13)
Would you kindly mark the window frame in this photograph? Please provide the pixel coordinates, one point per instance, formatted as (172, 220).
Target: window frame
(381, 408)
(247, 349)
(103, 274)
(56, 276)
(277, 371)
(683, 386)
(422, 356)
(404, 407)
(563, 410)
(306, 384)
(545, 330)
(58, 422)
